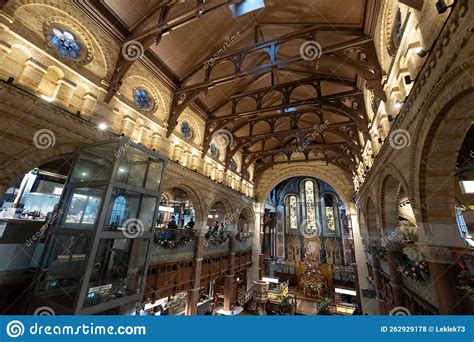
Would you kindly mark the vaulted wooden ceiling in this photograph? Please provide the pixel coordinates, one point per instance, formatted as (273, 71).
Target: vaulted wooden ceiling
(250, 75)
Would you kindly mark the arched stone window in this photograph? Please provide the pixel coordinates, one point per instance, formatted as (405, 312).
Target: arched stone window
(331, 213)
(119, 212)
(291, 212)
(214, 150)
(309, 193)
(396, 33)
(143, 99)
(186, 130)
(233, 165)
(65, 44)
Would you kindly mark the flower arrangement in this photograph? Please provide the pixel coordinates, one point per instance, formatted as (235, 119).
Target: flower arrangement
(413, 265)
(217, 238)
(465, 277)
(408, 231)
(243, 236)
(170, 239)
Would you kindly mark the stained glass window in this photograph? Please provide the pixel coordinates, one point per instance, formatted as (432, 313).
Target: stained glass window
(186, 130)
(292, 213)
(310, 208)
(214, 150)
(330, 210)
(143, 99)
(65, 43)
(330, 218)
(118, 211)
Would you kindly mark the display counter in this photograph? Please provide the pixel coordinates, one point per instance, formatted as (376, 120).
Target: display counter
(19, 230)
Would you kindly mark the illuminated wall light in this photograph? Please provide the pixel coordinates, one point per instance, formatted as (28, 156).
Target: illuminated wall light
(102, 126)
(47, 98)
(398, 104)
(467, 186)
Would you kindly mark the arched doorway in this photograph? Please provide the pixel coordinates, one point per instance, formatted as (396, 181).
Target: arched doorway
(176, 205)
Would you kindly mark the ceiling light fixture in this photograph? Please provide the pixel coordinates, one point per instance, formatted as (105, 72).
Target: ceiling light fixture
(467, 186)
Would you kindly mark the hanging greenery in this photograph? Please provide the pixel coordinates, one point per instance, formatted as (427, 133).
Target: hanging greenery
(413, 265)
(409, 232)
(172, 238)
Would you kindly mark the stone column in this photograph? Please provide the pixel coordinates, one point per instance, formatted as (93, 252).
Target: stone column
(395, 278)
(156, 140)
(441, 262)
(32, 75)
(88, 105)
(187, 158)
(144, 134)
(229, 278)
(128, 124)
(378, 281)
(5, 49)
(193, 294)
(195, 163)
(178, 152)
(65, 91)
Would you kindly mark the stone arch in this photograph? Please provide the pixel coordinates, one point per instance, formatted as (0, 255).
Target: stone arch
(194, 195)
(371, 220)
(389, 204)
(61, 13)
(49, 85)
(437, 166)
(249, 215)
(229, 208)
(448, 109)
(189, 117)
(29, 159)
(132, 82)
(342, 185)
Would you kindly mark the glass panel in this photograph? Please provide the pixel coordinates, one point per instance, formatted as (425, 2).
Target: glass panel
(94, 163)
(330, 218)
(155, 172)
(117, 271)
(293, 218)
(310, 210)
(125, 205)
(81, 207)
(64, 266)
(132, 167)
